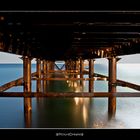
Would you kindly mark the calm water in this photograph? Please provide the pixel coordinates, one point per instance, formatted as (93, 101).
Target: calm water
(71, 112)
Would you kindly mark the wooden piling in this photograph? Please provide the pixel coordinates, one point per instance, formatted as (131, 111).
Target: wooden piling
(38, 70)
(27, 73)
(77, 67)
(112, 86)
(44, 75)
(81, 72)
(91, 73)
(27, 88)
(51, 65)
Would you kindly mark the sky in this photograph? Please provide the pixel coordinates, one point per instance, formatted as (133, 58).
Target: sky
(12, 58)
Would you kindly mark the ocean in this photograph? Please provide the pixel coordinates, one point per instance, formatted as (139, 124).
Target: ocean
(72, 112)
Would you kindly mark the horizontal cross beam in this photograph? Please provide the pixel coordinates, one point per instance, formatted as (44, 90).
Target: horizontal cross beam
(70, 94)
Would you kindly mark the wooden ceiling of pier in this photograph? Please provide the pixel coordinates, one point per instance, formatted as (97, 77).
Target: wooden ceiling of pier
(61, 35)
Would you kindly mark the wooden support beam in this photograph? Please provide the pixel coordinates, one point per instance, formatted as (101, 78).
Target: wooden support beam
(27, 88)
(44, 75)
(38, 72)
(128, 84)
(27, 73)
(17, 82)
(76, 67)
(81, 68)
(65, 72)
(118, 82)
(91, 72)
(62, 71)
(71, 79)
(112, 86)
(51, 65)
(70, 94)
(44, 68)
(81, 72)
(112, 74)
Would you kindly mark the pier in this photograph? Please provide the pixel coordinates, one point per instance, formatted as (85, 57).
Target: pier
(71, 37)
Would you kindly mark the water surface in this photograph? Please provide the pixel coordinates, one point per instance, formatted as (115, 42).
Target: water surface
(71, 112)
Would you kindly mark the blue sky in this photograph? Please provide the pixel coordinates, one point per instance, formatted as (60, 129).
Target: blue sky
(12, 58)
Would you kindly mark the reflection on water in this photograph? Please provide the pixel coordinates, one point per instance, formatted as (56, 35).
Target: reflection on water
(76, 86)
(27, 112)
(83, 105)
(70, 112)
(84, 112)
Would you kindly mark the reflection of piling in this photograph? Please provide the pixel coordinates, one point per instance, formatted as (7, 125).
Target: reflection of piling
(112, 86)
(91, 73)
(27, 88)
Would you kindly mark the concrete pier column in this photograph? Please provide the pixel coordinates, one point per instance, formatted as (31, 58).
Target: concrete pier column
(91, 74)
(27, 88)
(38, 70)
(112, 86)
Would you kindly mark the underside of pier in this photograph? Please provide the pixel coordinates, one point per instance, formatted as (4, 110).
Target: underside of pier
(63, 35)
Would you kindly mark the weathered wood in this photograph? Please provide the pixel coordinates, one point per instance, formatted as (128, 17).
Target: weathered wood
(27, 73)
(70, 71)
(112, 86)
(38, 73)
(81, 72)
(69, 94)
(66, 73)
(128, 84)
(71, 79)
(121, 82)
(17, 82)
(27, 88)
(44, 75)
(112, 74)
(118, 82)
(91, 72)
